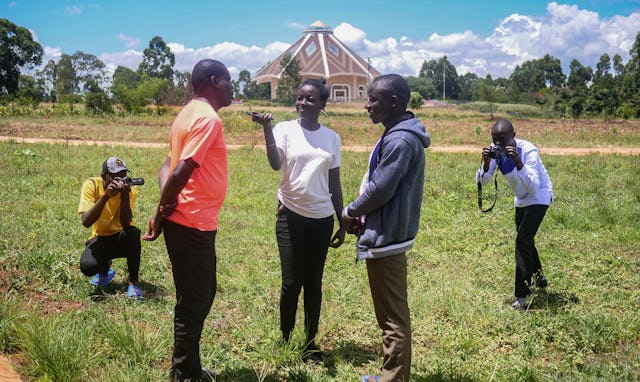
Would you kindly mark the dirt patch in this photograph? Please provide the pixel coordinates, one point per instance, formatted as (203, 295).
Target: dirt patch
(7, 372)
(606, 150)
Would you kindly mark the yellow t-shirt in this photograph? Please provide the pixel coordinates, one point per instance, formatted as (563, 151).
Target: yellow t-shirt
(109, 221)
(196, 133)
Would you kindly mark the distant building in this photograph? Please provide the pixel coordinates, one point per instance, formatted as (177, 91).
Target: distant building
(321, 55)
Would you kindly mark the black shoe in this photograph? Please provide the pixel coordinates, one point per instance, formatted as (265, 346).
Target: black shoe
(312, 355)
(539, 281)
(207, 375)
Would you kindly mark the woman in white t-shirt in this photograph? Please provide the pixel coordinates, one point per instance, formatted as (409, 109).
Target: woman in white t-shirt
(308, 196)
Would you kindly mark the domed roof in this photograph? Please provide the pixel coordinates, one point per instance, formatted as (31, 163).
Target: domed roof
(320, 54)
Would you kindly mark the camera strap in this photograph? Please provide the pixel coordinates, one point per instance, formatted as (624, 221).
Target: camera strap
(495, 198)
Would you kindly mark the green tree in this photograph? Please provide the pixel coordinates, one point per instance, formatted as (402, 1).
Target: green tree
(96, 100)
(532, 76)
(123, 83)
(415, 100)
(603, 92)
(289, 80)
(66, 79)
(73, 73)
(252, 90)
(618, 65)
(157, 60)
(579, 76)
(468, 86)
(487, 92)
(578, 84)
(422, 85)
(17, 50)
(30, 90)
(244, 78)
(88, 68)
(442, 72)
(603, 68)
(48, 76)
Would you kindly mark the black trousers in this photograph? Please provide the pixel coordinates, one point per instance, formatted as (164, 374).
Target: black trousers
(100, 250)
(528, 220)
(303, 244)
(193, 262)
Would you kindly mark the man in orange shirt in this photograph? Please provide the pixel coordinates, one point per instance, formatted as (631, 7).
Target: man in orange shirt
(193, 184)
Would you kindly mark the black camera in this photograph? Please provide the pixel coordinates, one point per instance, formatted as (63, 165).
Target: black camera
(133, 181)
(496, 152)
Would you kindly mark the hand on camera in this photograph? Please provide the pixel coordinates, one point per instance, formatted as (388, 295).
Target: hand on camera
(512, 153)
(116, 185)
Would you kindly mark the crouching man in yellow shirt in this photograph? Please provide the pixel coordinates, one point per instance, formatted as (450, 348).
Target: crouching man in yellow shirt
(106, 205)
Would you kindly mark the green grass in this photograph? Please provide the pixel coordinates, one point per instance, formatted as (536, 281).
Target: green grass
(585, 328)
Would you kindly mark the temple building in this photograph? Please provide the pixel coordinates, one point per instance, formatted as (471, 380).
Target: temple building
(321, 55)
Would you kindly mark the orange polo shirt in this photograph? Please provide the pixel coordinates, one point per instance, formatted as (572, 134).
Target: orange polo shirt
(196, 133)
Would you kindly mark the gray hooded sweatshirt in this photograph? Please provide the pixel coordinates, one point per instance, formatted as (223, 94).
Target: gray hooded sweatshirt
(391, 194)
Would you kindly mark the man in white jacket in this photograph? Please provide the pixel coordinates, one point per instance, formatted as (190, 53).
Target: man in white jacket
(519, 162)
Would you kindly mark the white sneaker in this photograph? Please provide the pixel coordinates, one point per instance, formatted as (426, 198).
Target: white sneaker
(520, 304)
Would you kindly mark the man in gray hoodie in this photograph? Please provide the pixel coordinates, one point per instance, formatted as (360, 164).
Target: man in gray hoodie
(386, 217)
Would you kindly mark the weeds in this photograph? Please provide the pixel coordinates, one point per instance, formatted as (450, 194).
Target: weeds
(585, 326)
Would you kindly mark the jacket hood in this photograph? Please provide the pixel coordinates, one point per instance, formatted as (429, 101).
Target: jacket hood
(414, 126)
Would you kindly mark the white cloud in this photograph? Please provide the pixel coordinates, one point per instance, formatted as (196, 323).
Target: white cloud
(130, 42)
(130, 58)
(73, 10)
(12, 4)
(565, 31)
(296, 25)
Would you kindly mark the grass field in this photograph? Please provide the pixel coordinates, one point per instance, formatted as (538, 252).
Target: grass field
(586, 327)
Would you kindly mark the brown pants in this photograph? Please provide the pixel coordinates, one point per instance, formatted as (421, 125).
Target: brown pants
(388, 284)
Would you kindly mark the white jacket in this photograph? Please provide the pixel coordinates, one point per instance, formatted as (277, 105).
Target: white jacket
(531, 185)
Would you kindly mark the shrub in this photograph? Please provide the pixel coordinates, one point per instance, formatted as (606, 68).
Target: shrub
(415, 101)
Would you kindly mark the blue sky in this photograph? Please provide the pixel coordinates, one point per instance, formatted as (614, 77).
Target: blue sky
(483, 37)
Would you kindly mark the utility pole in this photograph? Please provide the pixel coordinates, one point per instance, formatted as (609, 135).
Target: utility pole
(444, 69)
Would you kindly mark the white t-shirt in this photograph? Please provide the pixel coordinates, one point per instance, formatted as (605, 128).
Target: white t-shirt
(307, 157)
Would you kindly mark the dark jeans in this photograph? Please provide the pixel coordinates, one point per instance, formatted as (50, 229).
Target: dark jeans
(303, 244)
(528, 220)
(100, 250)
(193, 262)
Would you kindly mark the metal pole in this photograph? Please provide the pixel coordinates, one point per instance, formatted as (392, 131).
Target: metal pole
(444, 80)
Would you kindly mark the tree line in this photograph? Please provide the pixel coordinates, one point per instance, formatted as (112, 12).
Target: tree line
(612, 89)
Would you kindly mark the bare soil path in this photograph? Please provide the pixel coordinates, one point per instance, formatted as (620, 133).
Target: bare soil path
(7, 373)
(447, 149)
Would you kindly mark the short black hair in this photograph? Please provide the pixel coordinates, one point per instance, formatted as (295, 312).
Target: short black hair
(502, 123)
(319, 84)
(203, 71)
(395, 84)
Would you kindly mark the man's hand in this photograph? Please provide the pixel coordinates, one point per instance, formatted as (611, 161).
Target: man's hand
(352, 225)
(166, 210)
(116, 185)
(512, 153)
(154, 228)
(485, 158)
